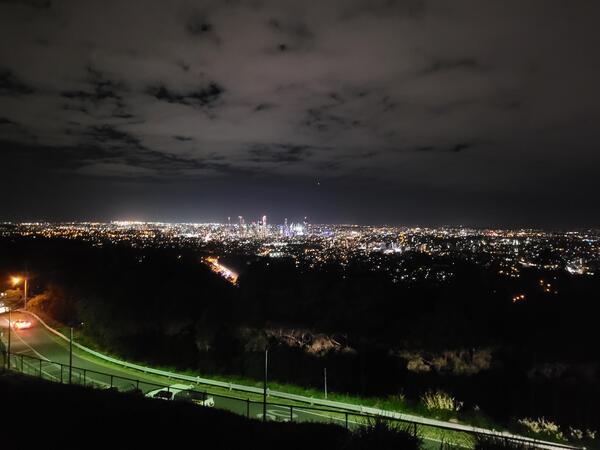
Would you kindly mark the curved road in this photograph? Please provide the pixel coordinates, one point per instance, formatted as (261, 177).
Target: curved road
(39, 343)
(51, 361)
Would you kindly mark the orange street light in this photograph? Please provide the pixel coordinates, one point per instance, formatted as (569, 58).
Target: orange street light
(16, 280)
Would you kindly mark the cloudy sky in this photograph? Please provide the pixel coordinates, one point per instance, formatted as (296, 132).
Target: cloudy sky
(372, 111)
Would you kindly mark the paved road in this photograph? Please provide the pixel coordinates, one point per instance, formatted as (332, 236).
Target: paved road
(39, 343)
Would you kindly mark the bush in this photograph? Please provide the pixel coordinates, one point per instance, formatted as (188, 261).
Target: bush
(542, 428)
(440, 401)
(585, 437)
(382, 435)
(497, 443)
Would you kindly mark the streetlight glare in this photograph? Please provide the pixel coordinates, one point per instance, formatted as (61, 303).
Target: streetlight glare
(17, 280)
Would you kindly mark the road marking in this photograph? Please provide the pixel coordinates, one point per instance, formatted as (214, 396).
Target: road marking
(279, 413)
(42, 357)
(32, 349)
(43, 371)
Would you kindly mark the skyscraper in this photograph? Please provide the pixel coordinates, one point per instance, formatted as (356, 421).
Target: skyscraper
(264, 226)
(241, 225)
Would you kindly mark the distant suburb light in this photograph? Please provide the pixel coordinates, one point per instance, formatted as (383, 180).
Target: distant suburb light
(518, 298)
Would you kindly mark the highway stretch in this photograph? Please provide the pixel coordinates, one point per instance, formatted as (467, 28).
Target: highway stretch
(42, 342)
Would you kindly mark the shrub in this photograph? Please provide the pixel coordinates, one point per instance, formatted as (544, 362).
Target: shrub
(581, 436)
(440, 401)
(498, 443)
(542, 428)
(383, 435)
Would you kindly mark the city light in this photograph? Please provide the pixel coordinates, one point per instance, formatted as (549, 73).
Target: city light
(507, 252)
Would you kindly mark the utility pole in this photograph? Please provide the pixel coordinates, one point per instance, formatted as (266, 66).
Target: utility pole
(265, 385)
(325, 379)
(71, 356)
(25, 288)
(8, 350)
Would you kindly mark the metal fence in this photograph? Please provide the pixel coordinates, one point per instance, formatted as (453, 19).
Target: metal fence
(434, 435)
(428, 425)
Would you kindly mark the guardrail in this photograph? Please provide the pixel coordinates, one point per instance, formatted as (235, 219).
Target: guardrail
(66, 374)
(373, 412)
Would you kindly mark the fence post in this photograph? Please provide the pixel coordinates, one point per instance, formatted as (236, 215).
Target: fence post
(41, 368)
(291, 413)
(248, 408)
(71, 356)
(9, 333)
(61, 374)
(415, 429)
(111, 381)
(22, 364)
(346, 413)
(137, 384)
(84, 376)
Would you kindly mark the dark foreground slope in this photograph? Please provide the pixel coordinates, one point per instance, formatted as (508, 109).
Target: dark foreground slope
(35, 412)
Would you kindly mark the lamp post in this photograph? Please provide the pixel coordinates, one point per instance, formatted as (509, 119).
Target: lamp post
(17, 280)
(265, 385)
(70, 356)
(8, 349)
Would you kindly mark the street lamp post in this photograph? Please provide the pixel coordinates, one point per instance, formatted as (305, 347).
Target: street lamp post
(71, 356)
(8, 349)
(25, 289)
(265, 385)
(25, 279)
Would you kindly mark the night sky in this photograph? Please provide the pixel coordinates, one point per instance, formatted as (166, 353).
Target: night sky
(401, 112)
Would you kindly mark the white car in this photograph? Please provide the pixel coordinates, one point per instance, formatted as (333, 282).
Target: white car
(182, 392)
(3, 308)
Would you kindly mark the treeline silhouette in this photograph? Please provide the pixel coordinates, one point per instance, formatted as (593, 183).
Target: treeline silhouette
(165, 307)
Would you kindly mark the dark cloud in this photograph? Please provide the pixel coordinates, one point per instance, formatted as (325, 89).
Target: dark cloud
(198, 27)
(425, 148)
(323, 119)
(107, 151)
(101, 96)
(399, 102)
(100, 88)
(201, 28)
(461, 146)
(412, 9)
(446, 65)
(264, 106)
(456, 148)
(294, 34)
(37, 4)
(201, 97)
(11, 85)
(279, 153)
(184, 66)
(106, 134)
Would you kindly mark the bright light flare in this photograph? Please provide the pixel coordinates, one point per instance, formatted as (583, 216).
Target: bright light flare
(21, 324)
(15, 280)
